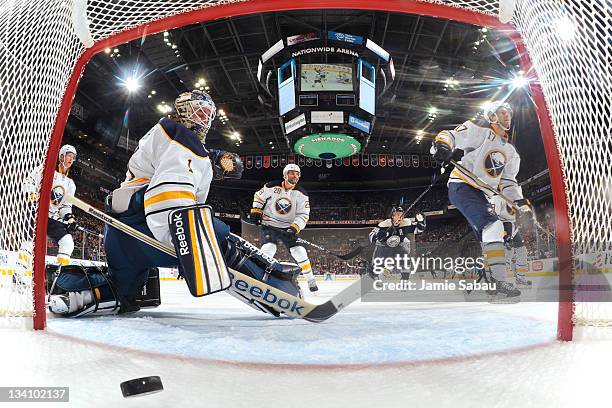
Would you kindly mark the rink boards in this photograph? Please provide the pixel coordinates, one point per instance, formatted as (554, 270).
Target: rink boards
(598, 263)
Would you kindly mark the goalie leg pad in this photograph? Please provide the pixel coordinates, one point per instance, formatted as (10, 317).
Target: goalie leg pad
(196, 242)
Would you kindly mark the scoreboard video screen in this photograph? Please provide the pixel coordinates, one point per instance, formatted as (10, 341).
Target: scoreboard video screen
(326, 77)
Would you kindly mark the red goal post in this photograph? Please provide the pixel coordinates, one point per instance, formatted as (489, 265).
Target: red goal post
(45, 43)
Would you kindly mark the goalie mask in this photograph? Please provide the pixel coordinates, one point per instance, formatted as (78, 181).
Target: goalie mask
(491, 113)
(196, 110)
(225, 165)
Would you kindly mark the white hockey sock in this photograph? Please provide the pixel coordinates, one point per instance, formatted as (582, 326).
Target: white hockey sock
(495, 257)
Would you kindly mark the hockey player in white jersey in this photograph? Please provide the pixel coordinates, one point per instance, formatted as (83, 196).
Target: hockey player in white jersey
(282, 209)
(489, 155)
(61, 221)
(516, 251)
(392, 236)
(170, 170)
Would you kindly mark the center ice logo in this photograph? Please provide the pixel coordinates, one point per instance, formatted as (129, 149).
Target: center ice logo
(494, 163)
(282, 206)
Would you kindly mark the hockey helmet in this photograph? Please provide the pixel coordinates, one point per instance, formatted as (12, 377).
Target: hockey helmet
(291, 167)
(196, 110)
(397, 209)
(490, 111)
(65, 149)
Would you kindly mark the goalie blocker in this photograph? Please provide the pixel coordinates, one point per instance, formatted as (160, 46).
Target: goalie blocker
(204, 263)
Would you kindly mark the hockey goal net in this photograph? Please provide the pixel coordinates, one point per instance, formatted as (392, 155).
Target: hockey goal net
(44, 46)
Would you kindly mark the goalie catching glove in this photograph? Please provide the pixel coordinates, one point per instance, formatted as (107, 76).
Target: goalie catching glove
(225, 165)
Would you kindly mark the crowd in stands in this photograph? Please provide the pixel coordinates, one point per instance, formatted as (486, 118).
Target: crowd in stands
(325, 206)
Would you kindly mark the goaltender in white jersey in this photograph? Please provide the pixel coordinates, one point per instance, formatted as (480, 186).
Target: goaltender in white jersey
(177, 170)
(282, 209)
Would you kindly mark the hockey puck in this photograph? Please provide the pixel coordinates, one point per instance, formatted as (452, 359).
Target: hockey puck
(141, 386)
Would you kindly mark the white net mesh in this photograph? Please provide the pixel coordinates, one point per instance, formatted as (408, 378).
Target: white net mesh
(39, 51)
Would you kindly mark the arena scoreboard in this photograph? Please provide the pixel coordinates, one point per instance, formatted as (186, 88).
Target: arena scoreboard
(327, 88)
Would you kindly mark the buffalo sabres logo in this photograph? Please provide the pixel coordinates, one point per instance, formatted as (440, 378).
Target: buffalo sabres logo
(57, 194)
(282, 206)
(494, 163)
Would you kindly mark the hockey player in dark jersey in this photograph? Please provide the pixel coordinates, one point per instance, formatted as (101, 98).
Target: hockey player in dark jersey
(392, 236)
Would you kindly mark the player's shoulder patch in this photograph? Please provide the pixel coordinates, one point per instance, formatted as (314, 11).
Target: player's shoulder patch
(301, 190)
(385, 223)
(405, 222)
(273, 183)
(183, 136)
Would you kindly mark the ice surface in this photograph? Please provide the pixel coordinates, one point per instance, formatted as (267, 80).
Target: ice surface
(215, 351)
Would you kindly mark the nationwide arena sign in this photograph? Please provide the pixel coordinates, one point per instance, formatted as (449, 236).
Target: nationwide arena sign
(327, 146)
(316, 50)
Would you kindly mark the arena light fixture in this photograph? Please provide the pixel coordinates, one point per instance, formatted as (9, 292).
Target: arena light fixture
(132, 84)
(519, 81)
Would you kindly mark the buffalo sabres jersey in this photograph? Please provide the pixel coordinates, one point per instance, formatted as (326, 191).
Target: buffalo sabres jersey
(282, 207)
(407, 226)
(62, 184)
(487, 155)
(174, 165)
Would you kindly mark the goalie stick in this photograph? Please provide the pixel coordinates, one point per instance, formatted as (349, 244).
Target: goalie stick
(294, 306)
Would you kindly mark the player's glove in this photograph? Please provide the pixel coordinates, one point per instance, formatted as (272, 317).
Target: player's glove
(524, 205)
(32, 197)
(255, 217)
(292, 232)
(442, 152)
(419, 217)
(381, 235)
(70, 221)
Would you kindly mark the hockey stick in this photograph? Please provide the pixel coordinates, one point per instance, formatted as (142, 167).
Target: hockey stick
(434, 180)
(243, 284)
(344, 257)
(486, 186)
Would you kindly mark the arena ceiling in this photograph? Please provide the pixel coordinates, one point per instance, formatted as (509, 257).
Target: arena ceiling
(442, 66)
